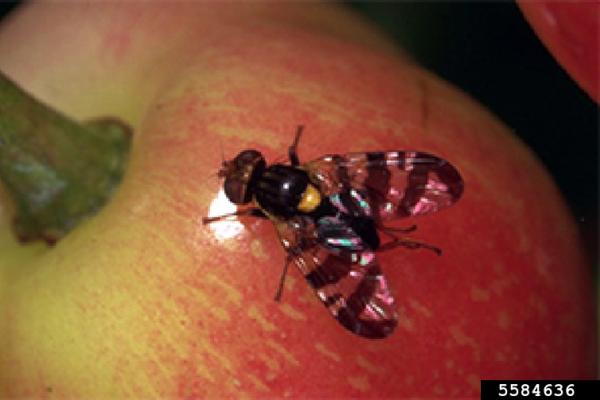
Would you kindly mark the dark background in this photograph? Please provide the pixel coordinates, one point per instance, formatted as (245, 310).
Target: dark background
(489, 50)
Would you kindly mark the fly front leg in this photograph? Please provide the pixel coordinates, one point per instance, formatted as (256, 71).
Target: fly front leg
(249, 212)
(293, 149)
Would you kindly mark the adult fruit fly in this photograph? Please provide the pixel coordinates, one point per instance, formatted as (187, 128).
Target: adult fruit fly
(329, 212)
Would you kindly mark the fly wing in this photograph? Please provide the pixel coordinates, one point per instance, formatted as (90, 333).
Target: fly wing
(344, 273)
(396, 184)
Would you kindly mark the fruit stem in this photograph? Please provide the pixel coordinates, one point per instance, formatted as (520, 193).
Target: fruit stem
(58, 172)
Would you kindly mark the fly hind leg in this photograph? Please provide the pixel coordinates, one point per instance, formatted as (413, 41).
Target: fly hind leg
(405, 242)
(388, 229)
(279, 292)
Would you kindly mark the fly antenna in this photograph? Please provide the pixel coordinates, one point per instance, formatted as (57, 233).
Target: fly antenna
(209, 177)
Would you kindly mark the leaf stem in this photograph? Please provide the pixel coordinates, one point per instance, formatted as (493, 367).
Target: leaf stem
(57, 171)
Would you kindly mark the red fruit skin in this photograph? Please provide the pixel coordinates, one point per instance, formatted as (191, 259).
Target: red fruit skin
(144, 301)
(570, 30)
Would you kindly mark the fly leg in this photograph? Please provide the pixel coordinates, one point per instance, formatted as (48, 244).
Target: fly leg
(279, 292)
(387, 229)
(293, 149)
(405, 242)
(250, 212)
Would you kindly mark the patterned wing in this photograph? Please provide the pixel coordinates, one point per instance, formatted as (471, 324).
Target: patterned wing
(397, 184)
(343, 271)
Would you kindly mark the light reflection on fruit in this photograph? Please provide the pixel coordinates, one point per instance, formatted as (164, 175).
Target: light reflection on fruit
(229, 227)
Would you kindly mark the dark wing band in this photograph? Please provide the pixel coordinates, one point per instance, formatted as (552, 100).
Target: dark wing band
(344, 274)
(397, 184)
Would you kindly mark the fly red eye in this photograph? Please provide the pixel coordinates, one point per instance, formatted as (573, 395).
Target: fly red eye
(236, 190)
(239, 177)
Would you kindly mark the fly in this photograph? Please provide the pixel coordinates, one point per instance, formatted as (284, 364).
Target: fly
(329, 212)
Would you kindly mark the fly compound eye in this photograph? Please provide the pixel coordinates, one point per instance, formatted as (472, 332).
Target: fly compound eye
(238, 175)
(236, 190)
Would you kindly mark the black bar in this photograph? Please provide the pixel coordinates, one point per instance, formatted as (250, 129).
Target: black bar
(540, 390)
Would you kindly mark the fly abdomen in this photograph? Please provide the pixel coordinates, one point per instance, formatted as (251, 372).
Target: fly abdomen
(365, 228)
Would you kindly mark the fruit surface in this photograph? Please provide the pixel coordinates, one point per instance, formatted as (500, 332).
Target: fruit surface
(571, 32)
(143, 300)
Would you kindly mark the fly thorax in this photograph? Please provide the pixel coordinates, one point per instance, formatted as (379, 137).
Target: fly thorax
(282, 189)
